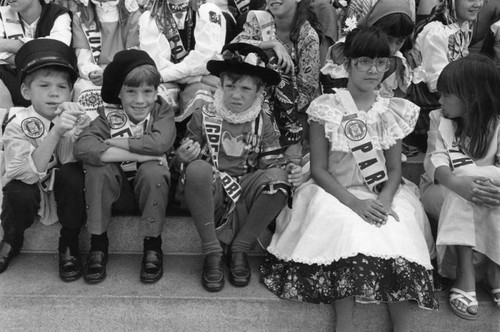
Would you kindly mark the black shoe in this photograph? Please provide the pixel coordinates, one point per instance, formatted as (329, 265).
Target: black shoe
(212, 277)
(70, 266)
(239, 269)
(152, 266)
(6, 254)
(95, 268)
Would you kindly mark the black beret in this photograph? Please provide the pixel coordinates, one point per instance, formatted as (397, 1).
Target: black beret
(246, 59)
(116, 71)
(43, 52)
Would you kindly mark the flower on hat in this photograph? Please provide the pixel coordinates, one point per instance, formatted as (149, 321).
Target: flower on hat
(350, 24)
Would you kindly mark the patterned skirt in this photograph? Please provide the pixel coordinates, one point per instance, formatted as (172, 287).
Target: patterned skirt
(370, 279)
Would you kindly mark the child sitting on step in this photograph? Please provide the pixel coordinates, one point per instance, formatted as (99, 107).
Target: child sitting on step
(235, 181)
(39, 168)
(461, 184)
(124, 160)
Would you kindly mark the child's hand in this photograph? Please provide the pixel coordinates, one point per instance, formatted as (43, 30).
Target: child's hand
(387, 204)
(68, 115)
(188, 151)
(96, 77)
(487, 193)
(284, 59)
(372, 211)
(465, 185)
(295, 176)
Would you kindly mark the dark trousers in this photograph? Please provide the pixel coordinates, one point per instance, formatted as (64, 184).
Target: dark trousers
(21, 203)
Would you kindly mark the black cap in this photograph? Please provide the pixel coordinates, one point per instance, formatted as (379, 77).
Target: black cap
(116, 71)
(244, 59)
(43, 52)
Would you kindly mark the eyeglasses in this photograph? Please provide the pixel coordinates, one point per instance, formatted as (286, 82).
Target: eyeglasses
(364, 64)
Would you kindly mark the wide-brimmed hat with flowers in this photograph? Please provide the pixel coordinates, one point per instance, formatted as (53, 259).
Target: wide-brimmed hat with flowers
(244, 59)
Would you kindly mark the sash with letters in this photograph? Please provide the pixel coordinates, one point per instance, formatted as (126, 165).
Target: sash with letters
(171, 30)
(94, 38)
(242, 5)
(372, 168)
(12, 23)
(119, 125)
(458, 158)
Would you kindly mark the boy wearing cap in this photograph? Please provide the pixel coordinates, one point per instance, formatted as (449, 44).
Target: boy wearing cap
(39, 167)
(124, 159)
(20, 22)
(235, 181)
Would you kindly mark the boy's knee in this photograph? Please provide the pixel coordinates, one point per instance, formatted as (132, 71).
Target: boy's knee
(198, 169)
(276, 174)
(71, 175)
(154, 173)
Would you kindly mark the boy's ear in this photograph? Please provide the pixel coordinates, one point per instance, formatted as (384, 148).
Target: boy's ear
(25, 91)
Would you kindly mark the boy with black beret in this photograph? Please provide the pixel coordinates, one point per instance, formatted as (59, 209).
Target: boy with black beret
(124, 160)
(236, 181)
(39, 166)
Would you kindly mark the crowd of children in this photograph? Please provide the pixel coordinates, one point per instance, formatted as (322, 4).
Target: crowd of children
(222, 106)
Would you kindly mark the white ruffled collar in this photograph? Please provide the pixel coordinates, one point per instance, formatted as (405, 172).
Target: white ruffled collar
(249, 115)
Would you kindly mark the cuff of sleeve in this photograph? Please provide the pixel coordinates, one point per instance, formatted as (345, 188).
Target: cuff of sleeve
(40, 175)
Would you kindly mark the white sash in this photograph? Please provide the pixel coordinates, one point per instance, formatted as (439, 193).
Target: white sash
(94, 38)
(359, 140)
(119, 125)
(458, 158)
(12, 23)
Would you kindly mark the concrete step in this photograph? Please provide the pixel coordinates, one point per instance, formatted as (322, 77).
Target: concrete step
(179, 236)
(32, 298)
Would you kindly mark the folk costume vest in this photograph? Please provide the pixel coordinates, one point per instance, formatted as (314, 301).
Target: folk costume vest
(14, 28)
(372, 168)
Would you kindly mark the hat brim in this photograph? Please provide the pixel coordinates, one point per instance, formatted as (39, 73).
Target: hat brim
(47, 62)
(268, 75)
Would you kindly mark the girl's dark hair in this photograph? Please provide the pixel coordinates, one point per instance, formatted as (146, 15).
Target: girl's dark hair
(396, 25)
(370, 42)
(475, 80)
(304, 13)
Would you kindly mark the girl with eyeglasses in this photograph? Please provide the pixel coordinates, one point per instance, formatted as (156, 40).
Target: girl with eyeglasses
(355, 230)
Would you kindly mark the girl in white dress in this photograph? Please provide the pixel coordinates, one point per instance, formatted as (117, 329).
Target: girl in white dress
(355, 230)
(461, 184)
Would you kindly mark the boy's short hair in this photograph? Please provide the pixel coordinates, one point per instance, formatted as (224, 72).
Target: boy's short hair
(144, 74)
(235, 77)
(47, 71)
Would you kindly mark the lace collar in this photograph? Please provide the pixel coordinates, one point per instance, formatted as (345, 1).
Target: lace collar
(249, 115)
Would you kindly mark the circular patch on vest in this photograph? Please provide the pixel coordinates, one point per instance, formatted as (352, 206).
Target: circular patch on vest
(355, 130)
(209, 110)
(33, 127)
(116, 120)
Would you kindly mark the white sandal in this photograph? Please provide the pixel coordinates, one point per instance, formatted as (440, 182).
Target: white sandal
(467, 298)
(494, 293)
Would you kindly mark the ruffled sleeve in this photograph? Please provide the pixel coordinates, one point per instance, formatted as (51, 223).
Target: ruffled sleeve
(387, 121)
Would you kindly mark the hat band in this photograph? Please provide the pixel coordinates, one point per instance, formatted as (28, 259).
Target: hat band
(46, 59)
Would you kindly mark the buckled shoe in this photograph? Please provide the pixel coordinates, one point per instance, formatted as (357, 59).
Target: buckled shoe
(152, 266)
(212, 277)
(70, 266)
(95, 268)
(239, 269)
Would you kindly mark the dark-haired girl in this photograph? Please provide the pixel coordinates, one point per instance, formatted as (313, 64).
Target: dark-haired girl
(355, 231)
(461, 184)
(396, 19)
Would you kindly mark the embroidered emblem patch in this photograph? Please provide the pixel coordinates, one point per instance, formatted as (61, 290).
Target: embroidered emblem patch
(33, 127)
(116, 120)
(209, 110)
(90, 99)
(355, 130)
(215, 18)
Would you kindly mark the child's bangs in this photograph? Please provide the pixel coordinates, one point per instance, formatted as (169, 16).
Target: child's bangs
(143, 75)
(369, 42)
(396, 25)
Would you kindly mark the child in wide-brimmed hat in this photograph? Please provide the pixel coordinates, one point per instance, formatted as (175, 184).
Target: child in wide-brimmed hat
(235, 181)
(38, 141)
(124, 159)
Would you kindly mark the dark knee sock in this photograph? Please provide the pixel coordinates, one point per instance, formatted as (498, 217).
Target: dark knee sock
(69, 239)
(99, 242)
(263, 211)
(200, 201)
(153, 243)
